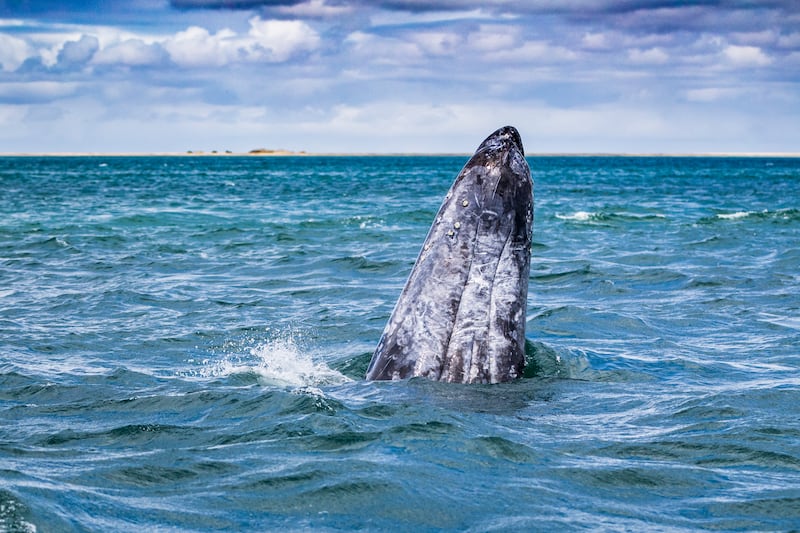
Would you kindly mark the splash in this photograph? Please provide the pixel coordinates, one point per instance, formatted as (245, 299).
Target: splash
(280, 361)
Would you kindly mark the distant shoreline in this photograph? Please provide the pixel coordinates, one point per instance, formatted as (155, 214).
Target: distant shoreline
(275, 153)
(288, 153)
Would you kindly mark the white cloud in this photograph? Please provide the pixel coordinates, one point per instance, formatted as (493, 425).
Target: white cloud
(596, 41)
(394, 125)
(406, 18)
(74, 46)
(13, 52)
(131, 52)
(11, 23)
(759, 38)
(390, 118)
(196, 47)
(381, 50)
(653, 56)
(385, 124)
(267, 40)
(36, 91)
(486, 43)
(491, 38)
(532, 52)
(791, 40)
(746, 56)
(438, 43)
(540, 50)
(711, 94)
(280, 38)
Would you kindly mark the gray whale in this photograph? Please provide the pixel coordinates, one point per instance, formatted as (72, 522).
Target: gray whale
(461, 315)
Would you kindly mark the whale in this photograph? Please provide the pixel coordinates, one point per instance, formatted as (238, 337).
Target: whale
(460, 317)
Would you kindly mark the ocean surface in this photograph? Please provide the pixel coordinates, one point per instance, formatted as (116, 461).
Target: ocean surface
(183, 342)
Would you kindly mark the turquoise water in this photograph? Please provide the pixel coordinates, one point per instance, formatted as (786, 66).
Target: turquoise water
(183, 340)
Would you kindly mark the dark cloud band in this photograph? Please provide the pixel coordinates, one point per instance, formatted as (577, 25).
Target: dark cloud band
(231, 4)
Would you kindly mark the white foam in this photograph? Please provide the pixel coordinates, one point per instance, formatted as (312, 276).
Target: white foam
(9, 517)
(278, 361)
(579, 216)
(734, 216)
(792, 322)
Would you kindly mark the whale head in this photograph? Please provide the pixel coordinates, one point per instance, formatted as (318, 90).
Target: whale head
(461, 315)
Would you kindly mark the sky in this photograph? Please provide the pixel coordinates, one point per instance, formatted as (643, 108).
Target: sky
(389, 76)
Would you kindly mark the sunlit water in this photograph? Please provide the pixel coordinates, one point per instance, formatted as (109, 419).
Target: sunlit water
(183, 342)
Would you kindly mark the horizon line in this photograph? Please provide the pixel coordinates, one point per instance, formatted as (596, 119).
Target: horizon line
(302, 153)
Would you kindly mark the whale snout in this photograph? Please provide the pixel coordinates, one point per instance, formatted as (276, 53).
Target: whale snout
(507, 135)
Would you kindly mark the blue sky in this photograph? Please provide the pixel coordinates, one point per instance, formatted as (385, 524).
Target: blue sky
(630, 76)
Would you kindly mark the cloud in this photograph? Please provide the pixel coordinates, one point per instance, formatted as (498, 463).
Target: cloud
(540, 52)
(230, 4)
(314, 9)
(196, 47)
(75, 47)
(267, 40)
(438, 43)
(353, 75)
(131, 53)
(282, 38)
(76, 54)
(596, 41)
(35, 91)
(13, 52)
(493, 38)
(590, 8)
(653, 56)
(789, 41)
(382, 50)
(712, 94)
(746, 56)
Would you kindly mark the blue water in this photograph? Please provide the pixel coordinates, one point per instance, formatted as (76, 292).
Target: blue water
(183, 340)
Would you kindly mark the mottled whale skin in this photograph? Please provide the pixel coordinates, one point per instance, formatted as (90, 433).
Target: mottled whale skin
(461, 315)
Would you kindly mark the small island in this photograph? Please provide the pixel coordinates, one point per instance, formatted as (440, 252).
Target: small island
(268, 151)
(255, 151)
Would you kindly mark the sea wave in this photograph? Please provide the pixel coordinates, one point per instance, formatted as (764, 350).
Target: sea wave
(609, 216)
(734, 216)
(776, 215)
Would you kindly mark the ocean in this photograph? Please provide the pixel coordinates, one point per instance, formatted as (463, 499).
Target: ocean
(183, 342)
